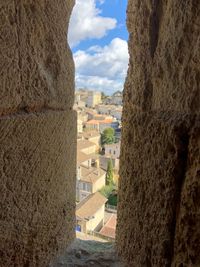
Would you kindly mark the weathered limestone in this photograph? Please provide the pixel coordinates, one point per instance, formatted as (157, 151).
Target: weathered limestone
(37, 186)
(35, 62)
(159, 207)
(38, 132)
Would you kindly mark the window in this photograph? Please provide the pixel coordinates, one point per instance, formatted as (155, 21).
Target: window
(86, 187)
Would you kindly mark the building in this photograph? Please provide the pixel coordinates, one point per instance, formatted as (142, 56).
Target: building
(79, 104)
(86, 147)
(79, 126)
(118, 134)
(117, 113)
(92, 136)
(104, 109)
(108, 124)
(113, 110)
(113, 150)
(101, 117)
(81, 95)
(103, 162)
(101, 125)
(89, 180)
(94, 98)
(81, 114)
(84, 159)
(116, 98)
(91, 113)
(90, 213)
(109, 229)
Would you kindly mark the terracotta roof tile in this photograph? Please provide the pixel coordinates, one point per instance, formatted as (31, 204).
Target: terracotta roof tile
(109, 228)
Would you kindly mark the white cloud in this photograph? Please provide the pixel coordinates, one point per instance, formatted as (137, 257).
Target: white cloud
(99, 83)
(101, 2)
(102, 68)
(86, 22)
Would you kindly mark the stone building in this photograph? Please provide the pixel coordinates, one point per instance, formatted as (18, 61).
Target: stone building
(113, 150)
(90, 213)
(86, 147)
(89, 180)
(94, 98)
(93, 136)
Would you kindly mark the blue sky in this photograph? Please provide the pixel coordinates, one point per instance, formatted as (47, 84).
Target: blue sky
(98, 38)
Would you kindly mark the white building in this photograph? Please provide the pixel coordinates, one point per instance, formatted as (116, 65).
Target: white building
(94, 98)
(89, 181)
(90, 213)
(113, 150)
(79, 126)
(117, 98)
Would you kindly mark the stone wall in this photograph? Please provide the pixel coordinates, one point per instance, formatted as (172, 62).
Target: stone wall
(38, 132)
(159, 196)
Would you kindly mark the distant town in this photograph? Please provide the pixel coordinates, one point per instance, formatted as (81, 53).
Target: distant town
(98, 150)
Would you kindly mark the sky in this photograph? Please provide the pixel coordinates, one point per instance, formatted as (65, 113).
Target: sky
(98, 39)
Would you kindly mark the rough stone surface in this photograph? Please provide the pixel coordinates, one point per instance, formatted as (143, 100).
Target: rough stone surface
(36, 67)
(38, 132)
(37, 187)
(158, 211)
(187, 238)
(86, 253)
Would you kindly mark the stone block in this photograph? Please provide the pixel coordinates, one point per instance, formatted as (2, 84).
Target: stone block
(37, 70)
(164, 56)
(37, 186)
(153, 166)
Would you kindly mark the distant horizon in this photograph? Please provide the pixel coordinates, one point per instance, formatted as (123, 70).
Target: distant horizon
(97, 90)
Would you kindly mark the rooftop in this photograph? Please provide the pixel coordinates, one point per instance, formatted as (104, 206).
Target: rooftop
(99, 121)
(90, 205)
(112, 145)
(91, 111)
(91, 175)
(90, 134)
(82, 144)
(110, 227)
(82, 157)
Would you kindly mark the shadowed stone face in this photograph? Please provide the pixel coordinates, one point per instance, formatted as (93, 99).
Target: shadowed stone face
(158, 211)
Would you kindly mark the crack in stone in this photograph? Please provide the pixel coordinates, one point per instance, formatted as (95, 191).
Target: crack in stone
(180, 175)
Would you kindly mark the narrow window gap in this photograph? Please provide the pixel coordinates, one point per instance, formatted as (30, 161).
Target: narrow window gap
(98, 39)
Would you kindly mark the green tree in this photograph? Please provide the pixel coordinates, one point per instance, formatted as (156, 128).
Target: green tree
(109, 173)
(106, 190)
(108, 136)
(112, 199)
